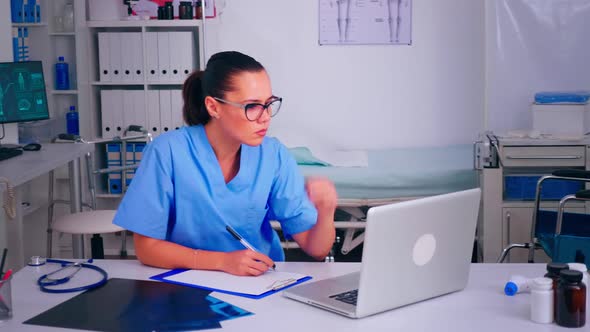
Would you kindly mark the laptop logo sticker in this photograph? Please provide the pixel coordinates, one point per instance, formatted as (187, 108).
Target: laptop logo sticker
(424, 249)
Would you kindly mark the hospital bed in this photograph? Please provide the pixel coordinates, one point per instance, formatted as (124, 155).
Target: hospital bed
(392, 175)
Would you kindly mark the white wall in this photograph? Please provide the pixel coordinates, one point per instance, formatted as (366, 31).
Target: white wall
(427, 94)
(532, 46)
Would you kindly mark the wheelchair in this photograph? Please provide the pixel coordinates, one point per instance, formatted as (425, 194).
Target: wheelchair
(563, 236)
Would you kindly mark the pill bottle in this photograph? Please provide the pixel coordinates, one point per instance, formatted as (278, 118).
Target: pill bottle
(570, 304)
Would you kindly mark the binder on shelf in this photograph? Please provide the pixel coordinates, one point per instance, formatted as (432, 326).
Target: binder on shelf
(117, 112)
(26, 12)
(20, 44)
(134, 111)
(38, 14)
(151, 56)
(115, 56)
(153, 110)
(104, 64)
(14, 48)
(128, 178)
(251, 287)
(176, 108)
(130, 160)
(187, 56)
(139, 108)
(163, 56)
(138, 152)
(137, 56)
(114, 159)
(165, 111)
(106, 111)
(16, 11)
(31, 11)
(127, 53)
(176, 56)
(128, 109)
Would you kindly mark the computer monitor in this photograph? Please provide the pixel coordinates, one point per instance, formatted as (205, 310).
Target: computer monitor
(22, 92)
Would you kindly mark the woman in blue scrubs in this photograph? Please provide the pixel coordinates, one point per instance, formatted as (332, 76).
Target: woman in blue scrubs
(221, 170)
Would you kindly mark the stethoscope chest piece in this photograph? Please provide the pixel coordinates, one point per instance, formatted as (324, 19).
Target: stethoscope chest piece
(37, 261)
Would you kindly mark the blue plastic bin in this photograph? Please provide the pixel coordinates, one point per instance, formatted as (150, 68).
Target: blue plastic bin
(523, 187)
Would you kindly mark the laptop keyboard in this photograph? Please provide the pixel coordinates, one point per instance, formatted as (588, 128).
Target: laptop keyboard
(347, 297)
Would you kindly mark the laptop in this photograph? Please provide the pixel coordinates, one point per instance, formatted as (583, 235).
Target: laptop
(413, 251)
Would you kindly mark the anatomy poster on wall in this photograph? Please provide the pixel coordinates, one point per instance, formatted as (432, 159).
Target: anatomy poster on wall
(353, 22)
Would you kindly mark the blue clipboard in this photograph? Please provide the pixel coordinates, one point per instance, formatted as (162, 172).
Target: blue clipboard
(162, 276)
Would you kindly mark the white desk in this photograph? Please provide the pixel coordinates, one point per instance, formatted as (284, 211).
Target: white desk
(31, 164)
(482, 306)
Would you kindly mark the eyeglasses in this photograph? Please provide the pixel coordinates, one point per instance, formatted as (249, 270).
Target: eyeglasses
(254, 111)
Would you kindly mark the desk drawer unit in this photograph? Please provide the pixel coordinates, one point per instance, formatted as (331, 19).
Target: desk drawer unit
(544, 156)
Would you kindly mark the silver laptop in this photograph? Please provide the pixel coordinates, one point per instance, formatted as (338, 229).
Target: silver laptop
(413, 251)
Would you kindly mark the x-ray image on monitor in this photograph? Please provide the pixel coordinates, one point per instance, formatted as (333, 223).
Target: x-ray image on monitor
(22, 92)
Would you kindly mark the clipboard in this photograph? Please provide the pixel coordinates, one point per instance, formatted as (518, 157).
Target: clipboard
(250, 287)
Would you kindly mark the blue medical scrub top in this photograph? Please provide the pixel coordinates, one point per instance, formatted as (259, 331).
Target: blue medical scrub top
(179, 194)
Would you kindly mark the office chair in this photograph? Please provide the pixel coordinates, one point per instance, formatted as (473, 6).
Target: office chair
(94, 221)
(564, 236)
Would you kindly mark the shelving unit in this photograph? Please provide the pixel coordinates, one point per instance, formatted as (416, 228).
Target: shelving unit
(63, 92)
(144, 23)
(195, 27)
(144, 83)
(31, 25)
(65, 34)
(45, 44)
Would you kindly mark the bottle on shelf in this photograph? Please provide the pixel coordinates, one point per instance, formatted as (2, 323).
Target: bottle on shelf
(198, 10)
(72, 121)
(62, 74)
(68, 17)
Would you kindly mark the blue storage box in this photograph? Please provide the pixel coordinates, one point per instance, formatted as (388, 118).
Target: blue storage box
(565, 97)
(522, 187)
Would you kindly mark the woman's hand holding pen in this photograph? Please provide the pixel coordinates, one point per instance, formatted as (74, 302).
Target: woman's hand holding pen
(246, 263)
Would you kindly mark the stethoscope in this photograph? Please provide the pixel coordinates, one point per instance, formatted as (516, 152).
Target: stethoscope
(46, 280)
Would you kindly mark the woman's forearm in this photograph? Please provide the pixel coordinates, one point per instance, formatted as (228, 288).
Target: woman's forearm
(320, 237)
(168, 255)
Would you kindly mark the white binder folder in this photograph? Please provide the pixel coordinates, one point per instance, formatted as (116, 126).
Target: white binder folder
(106, 113)
(188, 54)
(165, 111)
(153, 112)
(137, 56)
(176, 108)
(115, 56)
(174, 56)
(117, 103)
(163, 56)
(181, 55)
(103, 57)
(139, 108)
(128, 109)
(126, 56)
(151, 56)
